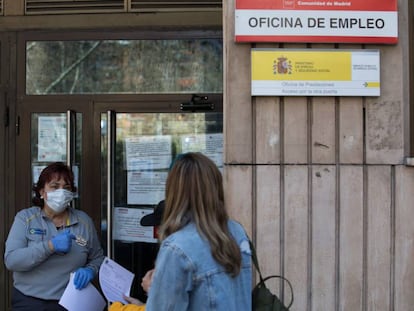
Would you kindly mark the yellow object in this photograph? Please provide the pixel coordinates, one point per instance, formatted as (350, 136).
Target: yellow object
(301, 65)
(117, 306)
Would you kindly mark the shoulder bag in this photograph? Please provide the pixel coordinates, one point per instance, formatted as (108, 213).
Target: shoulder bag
(262, 298)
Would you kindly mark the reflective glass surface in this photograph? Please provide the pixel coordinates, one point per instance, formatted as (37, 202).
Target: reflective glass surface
(124, 66)
(145, 146)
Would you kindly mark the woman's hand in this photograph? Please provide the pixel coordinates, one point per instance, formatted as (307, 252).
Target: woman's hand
(147, 279)
(133, 300)
(62, 242)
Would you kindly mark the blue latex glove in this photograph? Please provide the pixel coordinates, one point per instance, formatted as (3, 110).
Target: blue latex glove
(63, 241)
(82, 277)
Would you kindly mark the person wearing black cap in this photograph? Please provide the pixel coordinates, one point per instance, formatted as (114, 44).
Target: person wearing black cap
(154, 219)
(150, 220)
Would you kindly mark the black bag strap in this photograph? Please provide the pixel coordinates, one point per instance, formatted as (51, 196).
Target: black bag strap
(254, 259)
(263, 280)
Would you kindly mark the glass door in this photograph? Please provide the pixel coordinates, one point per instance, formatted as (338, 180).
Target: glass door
(56, 137)
(49, 133)
(121, 153)
(117, 107)
(137, 150)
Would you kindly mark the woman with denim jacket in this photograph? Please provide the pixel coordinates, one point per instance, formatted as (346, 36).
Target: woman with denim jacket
(204, 262)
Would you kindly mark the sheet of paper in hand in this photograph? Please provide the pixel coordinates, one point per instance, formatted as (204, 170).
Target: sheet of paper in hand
(87, 299)
(115, 280)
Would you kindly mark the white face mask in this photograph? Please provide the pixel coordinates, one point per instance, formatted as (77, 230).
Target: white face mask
(58, 200)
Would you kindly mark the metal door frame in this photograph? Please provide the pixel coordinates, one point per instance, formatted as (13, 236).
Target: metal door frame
(17, 178)
(166, 103)
(23, 144)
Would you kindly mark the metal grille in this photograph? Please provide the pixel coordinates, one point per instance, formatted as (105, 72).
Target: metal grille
(41, 7)
(145, 5)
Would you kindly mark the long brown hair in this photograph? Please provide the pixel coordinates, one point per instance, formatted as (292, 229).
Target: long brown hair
(194, 192)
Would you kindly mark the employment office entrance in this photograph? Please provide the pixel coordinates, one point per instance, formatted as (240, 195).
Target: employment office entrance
(118, 116)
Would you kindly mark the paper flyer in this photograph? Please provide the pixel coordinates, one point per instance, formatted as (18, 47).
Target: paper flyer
(115, 280)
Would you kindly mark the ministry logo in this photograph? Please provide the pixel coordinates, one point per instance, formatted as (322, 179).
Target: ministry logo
(282, 65)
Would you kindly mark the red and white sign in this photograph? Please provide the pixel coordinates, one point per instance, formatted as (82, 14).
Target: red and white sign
(323, 21)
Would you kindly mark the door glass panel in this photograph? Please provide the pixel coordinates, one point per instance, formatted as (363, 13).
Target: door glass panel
(145, 146)
(49, 139)
(124, 66)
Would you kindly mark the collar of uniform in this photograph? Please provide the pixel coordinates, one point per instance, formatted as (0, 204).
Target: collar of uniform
(70, 221)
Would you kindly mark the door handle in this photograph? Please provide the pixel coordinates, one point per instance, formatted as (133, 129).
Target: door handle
(70, 137)
(110, 177)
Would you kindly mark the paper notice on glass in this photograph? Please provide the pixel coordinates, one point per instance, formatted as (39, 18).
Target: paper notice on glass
(127, 225)
(51, 138)
(210, 145)
(146, 187)
(87, 299)
(37, 169)
(148, 152)
(115, 280)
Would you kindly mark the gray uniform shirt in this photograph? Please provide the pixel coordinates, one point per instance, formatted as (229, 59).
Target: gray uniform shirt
(37, 271)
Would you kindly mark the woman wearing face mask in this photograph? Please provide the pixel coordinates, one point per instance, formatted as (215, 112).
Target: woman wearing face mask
(48, 241)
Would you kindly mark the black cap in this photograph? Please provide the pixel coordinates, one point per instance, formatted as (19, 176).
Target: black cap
(154, 219)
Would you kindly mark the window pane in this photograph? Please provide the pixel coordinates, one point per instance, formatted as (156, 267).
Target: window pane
(49, 142)
(124, 66)
(145, 145)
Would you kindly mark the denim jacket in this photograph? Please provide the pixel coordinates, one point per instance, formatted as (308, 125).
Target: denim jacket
(187, 277)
